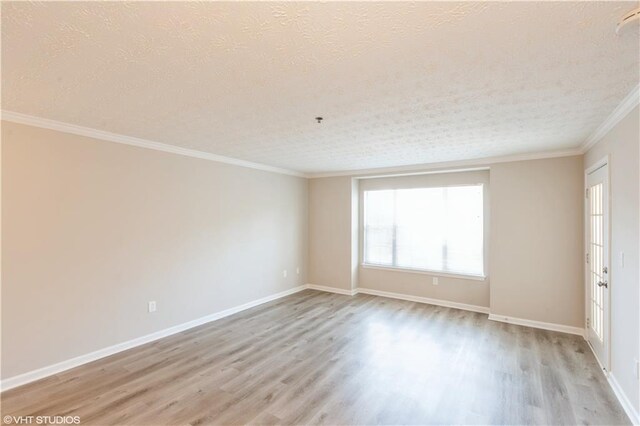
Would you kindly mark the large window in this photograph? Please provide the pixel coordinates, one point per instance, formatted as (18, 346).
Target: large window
(434, 229)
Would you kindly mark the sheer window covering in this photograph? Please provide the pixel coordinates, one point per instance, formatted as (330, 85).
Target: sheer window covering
(436, 229)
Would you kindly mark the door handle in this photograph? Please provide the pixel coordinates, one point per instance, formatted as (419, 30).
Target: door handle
(603, 284)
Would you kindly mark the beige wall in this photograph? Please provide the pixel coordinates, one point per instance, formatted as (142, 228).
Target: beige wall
(94, 230)
(330, 236)
(536, 243)
(621, 144)
(536, 258)
(459, 290)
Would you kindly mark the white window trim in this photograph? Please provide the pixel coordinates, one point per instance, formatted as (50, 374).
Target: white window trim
(425, 272)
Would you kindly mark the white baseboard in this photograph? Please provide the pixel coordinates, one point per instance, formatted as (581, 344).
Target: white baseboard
(538, 324)
(332, 289)
(427, 300)
(617, 389)
(50, 370)
(622, 397)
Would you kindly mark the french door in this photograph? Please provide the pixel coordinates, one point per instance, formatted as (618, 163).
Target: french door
(597, 279)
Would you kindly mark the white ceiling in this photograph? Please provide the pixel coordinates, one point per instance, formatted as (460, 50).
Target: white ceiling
(396, 83)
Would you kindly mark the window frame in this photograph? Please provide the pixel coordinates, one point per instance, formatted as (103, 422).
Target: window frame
(430, 272)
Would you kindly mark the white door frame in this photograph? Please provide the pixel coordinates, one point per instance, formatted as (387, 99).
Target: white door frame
(604, 161)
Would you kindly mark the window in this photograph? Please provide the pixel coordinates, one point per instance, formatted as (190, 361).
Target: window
(434, 229)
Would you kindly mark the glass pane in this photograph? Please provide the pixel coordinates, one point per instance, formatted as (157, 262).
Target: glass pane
(420, 235)
(596, 259)
(378, 227)
(464, 225)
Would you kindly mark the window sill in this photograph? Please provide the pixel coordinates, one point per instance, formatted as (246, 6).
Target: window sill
(425, 272)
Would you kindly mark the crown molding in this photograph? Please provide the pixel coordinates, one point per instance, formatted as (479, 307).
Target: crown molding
(60, 126)
(627, 104)
(624, 107)
(448, 165)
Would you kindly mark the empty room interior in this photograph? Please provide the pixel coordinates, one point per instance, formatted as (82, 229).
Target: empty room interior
(303, 213)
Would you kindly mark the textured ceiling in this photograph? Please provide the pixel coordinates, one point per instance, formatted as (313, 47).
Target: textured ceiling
(397, 83)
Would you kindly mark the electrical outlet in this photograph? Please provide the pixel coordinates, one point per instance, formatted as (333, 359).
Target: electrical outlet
(435, 281)
(621, 259)
(152, 306)
(284, 273)
(298, 270)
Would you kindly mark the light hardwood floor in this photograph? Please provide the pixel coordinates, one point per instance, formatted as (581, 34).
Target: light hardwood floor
(314, 358)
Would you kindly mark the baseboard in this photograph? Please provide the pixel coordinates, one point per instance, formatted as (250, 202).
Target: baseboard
(332, 289)
(427, 300)
(50, 370)
(538, 324)
(622, 397)
(617, 390)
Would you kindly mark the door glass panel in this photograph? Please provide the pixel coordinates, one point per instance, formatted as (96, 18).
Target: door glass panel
(596, 253)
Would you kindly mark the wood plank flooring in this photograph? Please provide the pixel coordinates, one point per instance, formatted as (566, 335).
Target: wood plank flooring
(321, 358)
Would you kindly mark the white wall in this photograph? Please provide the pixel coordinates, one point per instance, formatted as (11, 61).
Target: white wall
(93, 230)
(621, 144)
